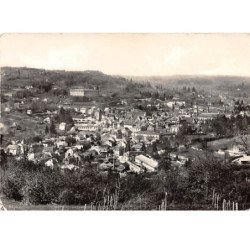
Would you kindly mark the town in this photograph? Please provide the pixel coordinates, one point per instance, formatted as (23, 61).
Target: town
(127, 131)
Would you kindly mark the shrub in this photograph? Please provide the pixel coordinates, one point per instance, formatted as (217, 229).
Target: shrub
(67, 197)
(12, 183)
(33, 190)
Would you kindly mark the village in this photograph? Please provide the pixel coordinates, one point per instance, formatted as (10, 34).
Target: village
(122, 139)
(102, 138)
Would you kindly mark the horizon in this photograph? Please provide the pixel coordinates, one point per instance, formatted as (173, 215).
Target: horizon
(131, 54)
(119, 75)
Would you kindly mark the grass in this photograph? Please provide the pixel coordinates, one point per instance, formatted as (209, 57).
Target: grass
(28, 124)
(227, 143)
(17, 205)
(13, 205)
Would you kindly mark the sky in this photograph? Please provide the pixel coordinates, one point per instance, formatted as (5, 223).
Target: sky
(130, 54)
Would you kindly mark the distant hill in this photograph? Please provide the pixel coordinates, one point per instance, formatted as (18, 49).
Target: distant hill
(107, 84)
(189, 80)
(19, 77)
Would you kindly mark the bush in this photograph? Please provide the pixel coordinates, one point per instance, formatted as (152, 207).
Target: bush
(33, 191)
(37, 138)
(12, 183)
(67, 197)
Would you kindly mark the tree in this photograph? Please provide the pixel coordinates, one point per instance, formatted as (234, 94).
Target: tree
(3, 159)
(128, 146)
(52, 128)
(37, 138)
(244, 142)
(64, 116)
(143, 148)
(46, 130)
(165, 162)
(37, 107)
(70, 140)
(139, 138)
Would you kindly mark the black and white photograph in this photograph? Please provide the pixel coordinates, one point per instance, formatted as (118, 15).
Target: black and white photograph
(125, 121)
(124, 124)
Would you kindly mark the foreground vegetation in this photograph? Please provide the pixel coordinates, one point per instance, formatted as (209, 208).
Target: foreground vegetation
(191, 187)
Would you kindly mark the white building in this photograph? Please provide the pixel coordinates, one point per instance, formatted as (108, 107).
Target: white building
(244, 160)
(133, 167)
(62, 126)
(86, 127)
(81, 92)
(143, 161)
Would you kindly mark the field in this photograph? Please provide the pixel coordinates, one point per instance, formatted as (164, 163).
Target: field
(228, 142)
(13, 205)
(27, 124)
(16, 205)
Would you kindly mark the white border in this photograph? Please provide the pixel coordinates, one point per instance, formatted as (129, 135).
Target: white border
(124, 16)
(124, 230)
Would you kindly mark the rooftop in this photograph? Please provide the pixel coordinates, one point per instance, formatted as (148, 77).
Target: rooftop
(148, 161)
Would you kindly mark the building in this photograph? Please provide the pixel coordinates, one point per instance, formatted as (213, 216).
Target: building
(244, 160)
(149, 164)
(62, 126)
(133, 167)
(174, 128)
(146, 135)
(83, 110)
(207, 116)
(86, 127)
(79, 120)
(98, 115)
(13, 149)
(82, 92)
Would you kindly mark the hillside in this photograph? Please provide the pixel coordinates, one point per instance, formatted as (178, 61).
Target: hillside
(20, 77)
(189, 80)
(125, 86)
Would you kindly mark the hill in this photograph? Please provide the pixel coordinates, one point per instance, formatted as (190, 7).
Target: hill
(194, 80)
(15, 78)
(20, 77)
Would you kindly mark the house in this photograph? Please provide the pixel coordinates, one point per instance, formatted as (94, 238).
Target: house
(82, 92)
(104, 150)
(69, 166)
(31, 156)
(69, 153)
(146, 135)
(105, 166)
(235, 151)
(244, 160)
(61, 143)
(207, 116)
(13, 149)
(174, 128)
(7, 109)
(17, 105)
(47, 143)
(133, 167)
(86, 127)
(62, 126)
(79, 119)
(145, 162)
(48, 151)
(137, 147)
(108, 143)
(50, 163)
